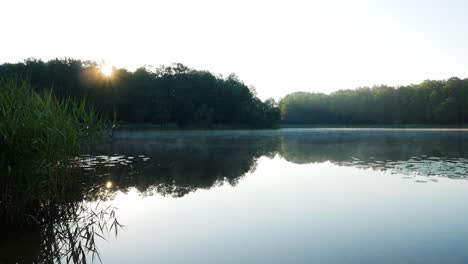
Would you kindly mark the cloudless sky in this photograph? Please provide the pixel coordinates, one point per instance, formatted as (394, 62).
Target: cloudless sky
(277, 46)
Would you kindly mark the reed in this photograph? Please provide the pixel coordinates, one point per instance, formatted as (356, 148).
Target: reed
(39, 136)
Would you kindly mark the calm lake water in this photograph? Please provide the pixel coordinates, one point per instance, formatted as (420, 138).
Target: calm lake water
(283, 196)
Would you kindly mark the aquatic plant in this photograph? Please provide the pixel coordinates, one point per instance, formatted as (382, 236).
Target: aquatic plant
(39, 134)
(66, 232)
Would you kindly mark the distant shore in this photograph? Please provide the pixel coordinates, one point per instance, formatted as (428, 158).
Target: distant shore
(172, 126)
(396, 126)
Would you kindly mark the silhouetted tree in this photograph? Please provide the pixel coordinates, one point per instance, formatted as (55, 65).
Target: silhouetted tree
(169, 94)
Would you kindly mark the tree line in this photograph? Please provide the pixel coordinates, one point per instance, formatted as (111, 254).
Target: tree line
(172, 94)
(180, 95)
(430, 102)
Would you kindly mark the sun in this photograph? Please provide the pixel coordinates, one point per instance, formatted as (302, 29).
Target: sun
(106, 70)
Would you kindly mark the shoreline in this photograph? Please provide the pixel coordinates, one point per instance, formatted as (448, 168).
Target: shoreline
(409, 127)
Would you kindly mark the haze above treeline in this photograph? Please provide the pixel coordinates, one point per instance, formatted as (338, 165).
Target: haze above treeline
(177, 94)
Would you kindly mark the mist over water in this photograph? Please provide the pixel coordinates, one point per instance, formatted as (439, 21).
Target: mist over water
(282, 196)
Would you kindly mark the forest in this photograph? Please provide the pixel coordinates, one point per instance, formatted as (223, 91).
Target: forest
(177, 94)
(429, 103)
(172, 94)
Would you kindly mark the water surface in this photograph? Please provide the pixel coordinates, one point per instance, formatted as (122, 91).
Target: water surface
(283, 196)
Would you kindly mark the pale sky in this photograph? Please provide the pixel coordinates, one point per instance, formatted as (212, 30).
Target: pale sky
(277, 46)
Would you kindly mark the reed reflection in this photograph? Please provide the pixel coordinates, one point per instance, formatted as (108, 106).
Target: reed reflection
(175, 165)
(65, 233)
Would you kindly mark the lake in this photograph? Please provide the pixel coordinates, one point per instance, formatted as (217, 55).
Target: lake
(277, 196)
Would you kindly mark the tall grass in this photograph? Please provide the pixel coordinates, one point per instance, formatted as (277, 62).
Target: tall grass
(39, 134)
(42, 125)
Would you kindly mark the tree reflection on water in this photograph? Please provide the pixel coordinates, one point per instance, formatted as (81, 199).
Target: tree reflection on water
(174, 165)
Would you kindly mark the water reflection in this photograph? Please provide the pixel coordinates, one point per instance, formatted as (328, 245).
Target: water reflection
(170, 166)
(408, 153)
(174, 164)
(65, 233)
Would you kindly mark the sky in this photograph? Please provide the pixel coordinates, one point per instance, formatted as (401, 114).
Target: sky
(277, 46)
